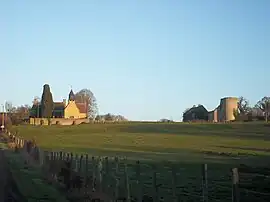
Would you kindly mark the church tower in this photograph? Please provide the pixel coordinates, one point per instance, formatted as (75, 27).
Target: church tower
(71, 96)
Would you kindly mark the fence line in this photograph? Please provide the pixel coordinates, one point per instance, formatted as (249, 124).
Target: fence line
(93, 177)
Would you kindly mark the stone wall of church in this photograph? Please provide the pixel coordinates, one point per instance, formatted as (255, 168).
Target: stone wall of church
(57, 121)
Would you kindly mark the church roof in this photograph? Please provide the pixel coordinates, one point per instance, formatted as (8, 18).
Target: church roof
(71, 96)
(58, 106)
(82, 107)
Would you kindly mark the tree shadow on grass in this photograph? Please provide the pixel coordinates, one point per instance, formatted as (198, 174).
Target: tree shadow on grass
(246, 148)
(168, 154)
(226, 130)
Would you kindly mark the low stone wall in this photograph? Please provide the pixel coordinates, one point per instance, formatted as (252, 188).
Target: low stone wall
(58, 121)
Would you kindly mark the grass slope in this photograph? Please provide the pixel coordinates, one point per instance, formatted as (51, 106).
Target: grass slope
(188, 144)
(153, 140)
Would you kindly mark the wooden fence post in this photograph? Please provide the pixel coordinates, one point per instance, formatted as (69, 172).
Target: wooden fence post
(56, 156)
(61, 155)
(76, 168)
(51, 156)
(86, 180)
(16, 142)
(139, 181)
(64, 156)
(21, 143)
(94, 173)
(235, 186)
(127, 183)
(204, 183)
(155, 191)
(54, 163)
(51, 164)
(100, 169)
(71, 161)
(80, 164)
(106, 175)
(86, 166)
(117, 183)
(174, 183)
(71, 165)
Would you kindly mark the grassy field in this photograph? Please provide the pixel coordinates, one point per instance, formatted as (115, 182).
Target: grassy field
(153, 140)
(222, 146)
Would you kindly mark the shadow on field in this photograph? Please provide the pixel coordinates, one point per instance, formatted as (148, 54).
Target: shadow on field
(133, 152)
(246, 148)
(172, 155)
(239, 131)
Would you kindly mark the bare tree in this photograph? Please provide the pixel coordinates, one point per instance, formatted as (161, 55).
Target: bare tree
(256, 112)
(36, 100)
(20, 114)
(264, 105)
(243, 105)
(86, 96)
(9, 107)
(35, 111)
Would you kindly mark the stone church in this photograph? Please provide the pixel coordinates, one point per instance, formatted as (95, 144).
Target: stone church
(66, 109)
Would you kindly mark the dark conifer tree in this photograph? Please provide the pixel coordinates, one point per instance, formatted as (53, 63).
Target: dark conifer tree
(46, 102)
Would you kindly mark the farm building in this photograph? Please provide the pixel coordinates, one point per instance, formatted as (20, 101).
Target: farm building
(67, 110)
(196, 113)
(224, 111)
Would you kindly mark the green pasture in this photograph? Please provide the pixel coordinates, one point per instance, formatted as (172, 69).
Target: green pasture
(174, 141)
(221, 146)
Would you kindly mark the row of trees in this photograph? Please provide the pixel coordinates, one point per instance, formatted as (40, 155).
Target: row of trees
(261, 110)
(17, 115)
(110, 117)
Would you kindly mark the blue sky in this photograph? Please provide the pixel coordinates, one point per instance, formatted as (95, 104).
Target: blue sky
(144, 59)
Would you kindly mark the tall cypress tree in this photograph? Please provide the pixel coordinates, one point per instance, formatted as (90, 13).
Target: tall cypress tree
(46, 102)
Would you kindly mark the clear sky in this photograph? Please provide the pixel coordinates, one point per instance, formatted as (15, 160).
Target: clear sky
(144, 59)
